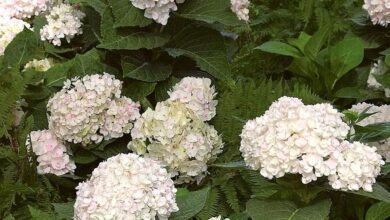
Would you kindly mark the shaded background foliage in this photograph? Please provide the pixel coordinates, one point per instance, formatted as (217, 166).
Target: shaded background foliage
(288, 48)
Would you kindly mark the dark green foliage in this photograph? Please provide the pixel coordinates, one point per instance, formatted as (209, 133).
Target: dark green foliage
(318, 51)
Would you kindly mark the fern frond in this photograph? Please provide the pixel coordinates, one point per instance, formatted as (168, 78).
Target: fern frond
(231, 195)
(211, 207)
(233, 111)
(303, 92)
(11, 88)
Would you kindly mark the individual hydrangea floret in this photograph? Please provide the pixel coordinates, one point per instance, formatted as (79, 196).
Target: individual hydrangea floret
(379, 11)
(382, 114)
(158, 10)
(89, 109)
(378, 69)
(9, 28)
(293, 138)
(241, 9)
(40, 65)
(117, 117)
(357, 166)
(177, 138)
(64, 21)
(52, 154)
(218, 218)
(126, 186)
(23, 9)
(198, 95)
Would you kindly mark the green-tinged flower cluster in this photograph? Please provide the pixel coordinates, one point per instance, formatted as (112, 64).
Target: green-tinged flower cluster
(176, 136)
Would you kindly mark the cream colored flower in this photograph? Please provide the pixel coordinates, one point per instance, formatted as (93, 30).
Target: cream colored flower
(197, 94)
(174, 135)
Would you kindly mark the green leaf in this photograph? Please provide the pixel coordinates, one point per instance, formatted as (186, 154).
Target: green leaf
(378, 211)
(98, 5)
(209, 11)
(286, 210)
(37, 214)
(9, 217)
(372, 132)
(111, 151)
(84, 157)
(137, 90)
(345, 56)
(315, 43)
(378, 193)
(235, 164)
(107, 30)
(258, 209)
(126, 15)
(385, 169)
(147, 71)
(206, 47)
(280, 48)
(300, 42)
(190, 204)
(23, 48)
(162, 88)
(64, 210)
(81, 65)
(135, 41)
(318, 211)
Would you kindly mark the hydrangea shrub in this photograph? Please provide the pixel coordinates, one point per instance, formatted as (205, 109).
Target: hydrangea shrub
(194, 110)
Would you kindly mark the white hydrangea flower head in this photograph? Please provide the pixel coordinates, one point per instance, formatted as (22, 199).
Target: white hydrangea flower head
(357, 166)
(89, 109)
(293, 138)
(178, 138)
(126, 186)
(52, 154)
(382, 114)
(24, 9)
(218, 218)
(118, 117)
(241, 9)
(158, 10)
(9, 28)
(198, 95)
(378, 69)
(40, 65)
(379, 11)
(64, 21)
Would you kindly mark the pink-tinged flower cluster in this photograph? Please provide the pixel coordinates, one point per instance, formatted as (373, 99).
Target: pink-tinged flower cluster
(293, 138)
(382, 115)
(117, 117)
(9, 28)
(241, 9)
(356, 166)
(52, 154)
(91, 109)
(23, 9)
(309, 140)
(126, 186)
(197, 94)
(379, 11)
(64, 21)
